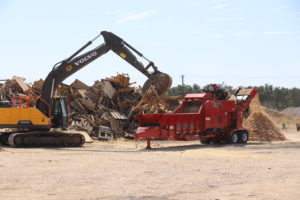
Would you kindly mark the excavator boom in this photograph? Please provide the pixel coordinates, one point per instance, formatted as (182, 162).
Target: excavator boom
(69, 66)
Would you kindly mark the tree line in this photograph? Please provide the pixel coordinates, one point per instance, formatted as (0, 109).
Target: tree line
(272, 97)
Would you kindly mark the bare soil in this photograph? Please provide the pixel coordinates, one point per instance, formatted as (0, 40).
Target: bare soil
(171, 170)
(294, 111)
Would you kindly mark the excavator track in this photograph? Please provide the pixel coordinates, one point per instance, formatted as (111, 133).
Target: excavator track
(45, 139)
(4, 138)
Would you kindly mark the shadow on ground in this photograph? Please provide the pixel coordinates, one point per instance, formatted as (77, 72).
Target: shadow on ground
(180, 147)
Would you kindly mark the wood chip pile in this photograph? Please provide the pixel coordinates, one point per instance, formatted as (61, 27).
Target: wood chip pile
(260, 126)
(112, 102)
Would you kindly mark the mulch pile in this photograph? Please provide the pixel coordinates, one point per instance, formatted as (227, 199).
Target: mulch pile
(262, 128)
(260, 125)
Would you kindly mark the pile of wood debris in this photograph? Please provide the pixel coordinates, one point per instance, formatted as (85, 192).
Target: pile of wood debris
(109, 105)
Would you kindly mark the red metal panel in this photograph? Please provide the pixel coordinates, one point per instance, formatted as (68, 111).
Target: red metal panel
(210, 118)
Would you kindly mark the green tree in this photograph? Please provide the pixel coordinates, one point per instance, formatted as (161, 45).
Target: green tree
(182, 90)
(272, 97)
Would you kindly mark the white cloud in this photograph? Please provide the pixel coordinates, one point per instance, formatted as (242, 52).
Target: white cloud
(242, 33)
(274, 33)
(218, 7)
(136, 16)
(218, 36)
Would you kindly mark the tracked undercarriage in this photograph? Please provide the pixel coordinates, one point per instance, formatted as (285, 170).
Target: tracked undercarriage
(52, 138)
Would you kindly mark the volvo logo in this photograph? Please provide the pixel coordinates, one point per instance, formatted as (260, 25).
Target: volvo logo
(88, 57)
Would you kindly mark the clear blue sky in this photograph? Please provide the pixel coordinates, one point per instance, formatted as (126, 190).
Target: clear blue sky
(238, 42)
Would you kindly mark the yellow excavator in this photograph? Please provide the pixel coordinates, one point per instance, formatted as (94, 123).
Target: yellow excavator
(45, 123)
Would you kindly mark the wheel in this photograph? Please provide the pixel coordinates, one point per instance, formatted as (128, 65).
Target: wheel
(204, 141)
(233, 139)
(243, 137)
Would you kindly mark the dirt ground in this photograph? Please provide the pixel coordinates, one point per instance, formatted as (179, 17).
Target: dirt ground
(171, 170)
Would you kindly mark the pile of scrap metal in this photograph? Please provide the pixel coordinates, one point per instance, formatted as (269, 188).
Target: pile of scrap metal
(108, 107)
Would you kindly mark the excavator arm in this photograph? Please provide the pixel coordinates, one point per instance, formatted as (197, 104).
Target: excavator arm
(69, 66)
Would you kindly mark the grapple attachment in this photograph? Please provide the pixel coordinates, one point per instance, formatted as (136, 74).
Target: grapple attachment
(161, 81)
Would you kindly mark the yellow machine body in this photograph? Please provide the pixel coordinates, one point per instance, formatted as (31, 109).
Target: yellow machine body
(23, 118)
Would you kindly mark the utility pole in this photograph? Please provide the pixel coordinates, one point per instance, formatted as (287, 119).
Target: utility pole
(182, 80)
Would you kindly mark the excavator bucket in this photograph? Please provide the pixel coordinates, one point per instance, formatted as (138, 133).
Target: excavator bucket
(161, 81)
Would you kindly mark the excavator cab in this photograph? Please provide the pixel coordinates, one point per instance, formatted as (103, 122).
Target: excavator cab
(59, 113)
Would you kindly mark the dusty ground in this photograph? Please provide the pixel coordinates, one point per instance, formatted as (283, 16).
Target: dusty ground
(172, 170)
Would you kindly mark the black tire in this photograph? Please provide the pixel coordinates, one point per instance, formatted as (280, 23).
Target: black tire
(233, 139)
(204, 141)
(243, 137)
(218, 141)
